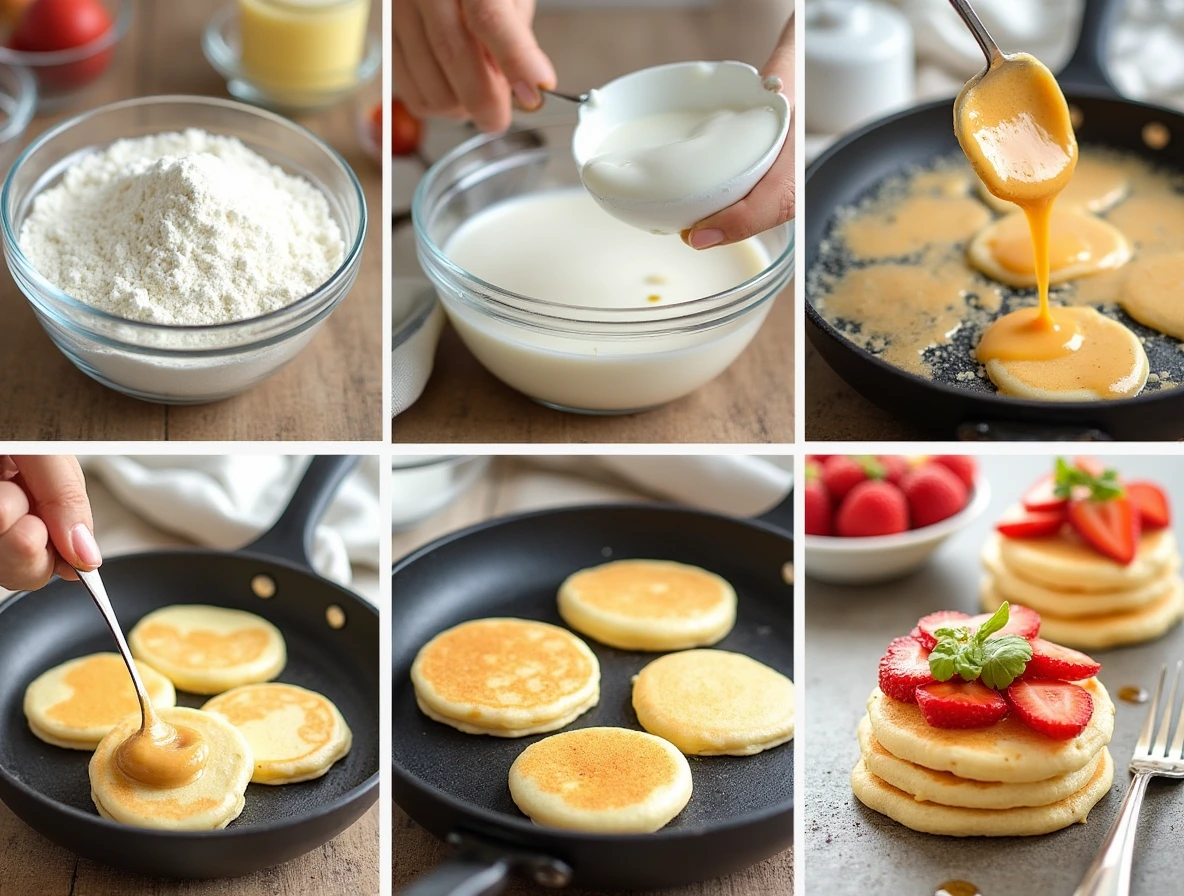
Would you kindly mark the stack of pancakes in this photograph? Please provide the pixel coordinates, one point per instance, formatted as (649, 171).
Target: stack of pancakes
(1084, 599)
(1004, 780)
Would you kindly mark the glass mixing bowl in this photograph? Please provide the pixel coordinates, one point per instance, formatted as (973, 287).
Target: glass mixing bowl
(587, 360)
(181, 364)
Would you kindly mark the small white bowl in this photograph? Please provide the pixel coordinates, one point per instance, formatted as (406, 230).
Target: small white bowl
(880, 558)
(679, 87)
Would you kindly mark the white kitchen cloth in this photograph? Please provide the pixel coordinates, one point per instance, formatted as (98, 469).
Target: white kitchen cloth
(417, 330)
(225, 501)
(735, 484)
(1146, 51)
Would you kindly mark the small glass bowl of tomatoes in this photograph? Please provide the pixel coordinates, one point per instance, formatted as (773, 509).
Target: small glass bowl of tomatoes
(66, 44)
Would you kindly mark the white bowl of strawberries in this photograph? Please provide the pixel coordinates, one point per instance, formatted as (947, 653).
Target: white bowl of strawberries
(875, 518)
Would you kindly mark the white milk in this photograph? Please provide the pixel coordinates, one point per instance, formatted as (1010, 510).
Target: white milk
(672, 155)
(559, 246)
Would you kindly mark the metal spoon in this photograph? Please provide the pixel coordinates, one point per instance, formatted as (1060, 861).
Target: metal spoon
(978, 29)
(570, 97)
(94, 584)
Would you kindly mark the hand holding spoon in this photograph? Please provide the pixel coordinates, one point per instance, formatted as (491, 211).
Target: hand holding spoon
(158, 755)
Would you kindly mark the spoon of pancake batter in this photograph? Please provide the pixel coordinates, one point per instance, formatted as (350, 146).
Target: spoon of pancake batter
(158, 755)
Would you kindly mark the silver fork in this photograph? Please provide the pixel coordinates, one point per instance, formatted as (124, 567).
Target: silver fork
(1110, 874)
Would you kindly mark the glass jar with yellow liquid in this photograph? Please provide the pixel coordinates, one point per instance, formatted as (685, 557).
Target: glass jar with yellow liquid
(296, 49)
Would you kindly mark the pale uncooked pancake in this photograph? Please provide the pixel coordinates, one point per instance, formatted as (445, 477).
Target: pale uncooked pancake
(211, 801)
(648, 605)
(208, 650)
(932, 818)
(76, 704)
(1111, 364)
(714, 703)
(1066, 563)
(1067, 603)
(605, 780)
(505, 677)
(1081, 244)
(949, 790)
(1153, 293)
(295, 734)
(1008, 751)
(1144, 623)
(1097, 185)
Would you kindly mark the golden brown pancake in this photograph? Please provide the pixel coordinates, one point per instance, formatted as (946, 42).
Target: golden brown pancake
(505, 677)
(607, 780)
(76, 704)
(648, 605)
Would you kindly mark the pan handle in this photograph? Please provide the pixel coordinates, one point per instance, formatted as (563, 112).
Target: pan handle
(291, 537)
(995, 431)
(482, 868)
(780, 516)
(1087, 67)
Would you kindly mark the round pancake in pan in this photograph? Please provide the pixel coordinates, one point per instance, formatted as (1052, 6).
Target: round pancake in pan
(1008, 751)
(648, 605)
(76, 704)
(213, 800)
(208, 650)
(714, 703)
(604, 780)
(295, 734)
(933, 818)
(505, 677)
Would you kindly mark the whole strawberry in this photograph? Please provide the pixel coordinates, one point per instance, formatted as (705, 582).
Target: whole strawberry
(841, 473)
(819, 513)
(896, 467)
(872, 508)
(934, 493)
(961, 465)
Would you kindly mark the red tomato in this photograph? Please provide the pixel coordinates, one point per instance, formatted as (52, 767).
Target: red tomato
(50, 25)
(406, 130)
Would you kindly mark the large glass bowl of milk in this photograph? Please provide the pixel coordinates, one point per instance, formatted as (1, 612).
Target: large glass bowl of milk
(569, 305)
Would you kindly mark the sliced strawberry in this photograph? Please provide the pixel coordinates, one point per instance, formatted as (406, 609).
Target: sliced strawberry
(1020, 621)
(1151, 502)
(1110, 527)
(960, 704)
(1052, 661)
(903, 668)
(1040, 496)
(924, 630)
(1058, 709)
(1031, 524)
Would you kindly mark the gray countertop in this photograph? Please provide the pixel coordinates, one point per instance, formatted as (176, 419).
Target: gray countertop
(853, 850)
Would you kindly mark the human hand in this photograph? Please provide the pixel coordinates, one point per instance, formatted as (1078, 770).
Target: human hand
(466, 58)
(773, 200)
(45, 520)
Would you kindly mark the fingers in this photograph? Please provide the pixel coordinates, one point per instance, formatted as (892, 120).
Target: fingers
(422, 81)
(505, 31)
(26, 556)
(57, 492)
(474, 80)
(772, 202)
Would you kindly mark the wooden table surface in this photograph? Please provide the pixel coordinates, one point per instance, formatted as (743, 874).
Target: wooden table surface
(836, 412)
(510, 486)
(331, 391)
(752, 402)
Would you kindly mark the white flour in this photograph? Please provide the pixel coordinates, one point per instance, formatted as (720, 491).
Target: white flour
(183, 229)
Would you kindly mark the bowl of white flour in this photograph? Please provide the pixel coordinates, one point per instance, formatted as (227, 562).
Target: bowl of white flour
(181, 249)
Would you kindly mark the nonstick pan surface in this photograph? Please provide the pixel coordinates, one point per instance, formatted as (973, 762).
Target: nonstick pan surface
(453, 783)
(856, 166)
(48, 787)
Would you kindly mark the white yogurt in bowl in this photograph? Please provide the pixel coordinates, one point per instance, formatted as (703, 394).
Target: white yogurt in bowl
(566, 303)
(665, 147)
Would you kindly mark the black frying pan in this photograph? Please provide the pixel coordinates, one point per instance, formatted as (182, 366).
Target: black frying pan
(48, 787)
(454, 784)
(854, 166)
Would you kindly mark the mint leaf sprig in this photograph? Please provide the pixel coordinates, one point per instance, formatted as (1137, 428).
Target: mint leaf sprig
(997, 661)
(1069, 478)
